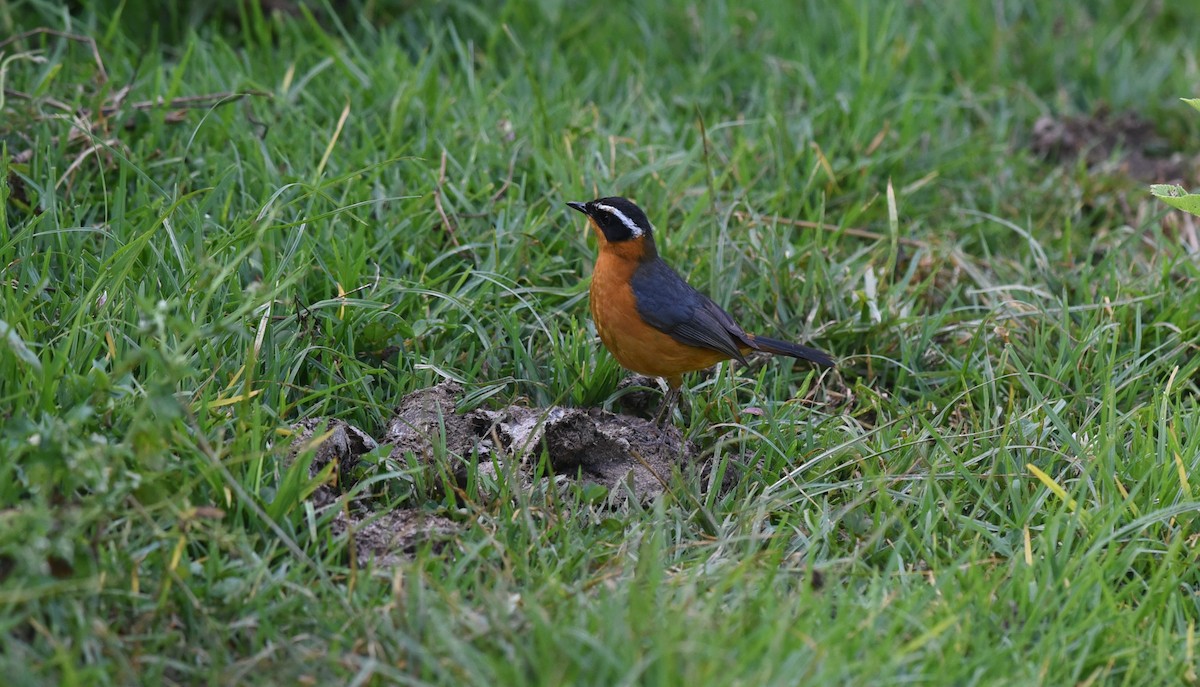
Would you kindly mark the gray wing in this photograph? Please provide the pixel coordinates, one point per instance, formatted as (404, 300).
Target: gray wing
(670, 305)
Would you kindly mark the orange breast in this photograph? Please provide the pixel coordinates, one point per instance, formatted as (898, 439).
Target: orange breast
(635, 344)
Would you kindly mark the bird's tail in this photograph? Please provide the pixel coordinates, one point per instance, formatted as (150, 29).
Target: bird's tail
(787, 348)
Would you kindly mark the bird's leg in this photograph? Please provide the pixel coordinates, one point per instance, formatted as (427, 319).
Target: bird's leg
(674, 384)
(668, 404)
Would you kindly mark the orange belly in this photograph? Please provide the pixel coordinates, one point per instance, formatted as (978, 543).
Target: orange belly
(635, 344)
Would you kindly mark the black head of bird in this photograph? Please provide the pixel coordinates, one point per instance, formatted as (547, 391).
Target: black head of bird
(617, 219)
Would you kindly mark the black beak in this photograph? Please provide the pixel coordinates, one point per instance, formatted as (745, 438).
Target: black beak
(582, 207)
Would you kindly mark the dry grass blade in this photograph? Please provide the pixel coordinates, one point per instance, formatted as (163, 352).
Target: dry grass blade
(191, 101)
(437, 202)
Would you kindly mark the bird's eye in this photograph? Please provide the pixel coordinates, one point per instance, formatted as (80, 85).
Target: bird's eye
(615, 229)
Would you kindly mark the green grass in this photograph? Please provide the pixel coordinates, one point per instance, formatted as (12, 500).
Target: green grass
(175, 290)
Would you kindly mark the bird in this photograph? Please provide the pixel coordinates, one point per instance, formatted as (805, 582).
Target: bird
(648, 316)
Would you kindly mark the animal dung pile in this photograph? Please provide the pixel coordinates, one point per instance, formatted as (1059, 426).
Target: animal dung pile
(617, 457)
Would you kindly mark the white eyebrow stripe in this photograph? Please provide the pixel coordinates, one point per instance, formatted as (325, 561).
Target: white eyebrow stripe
(629, 224)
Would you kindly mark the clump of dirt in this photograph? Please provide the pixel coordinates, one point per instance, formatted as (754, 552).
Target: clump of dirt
(342, 446)
(421, 415)
(1124, 142)
(638, 398)
(387, 537)
(392, 537)
(593, 446)
(630, 457)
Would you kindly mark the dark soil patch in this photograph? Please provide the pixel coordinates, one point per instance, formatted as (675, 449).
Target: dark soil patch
(627, 457)
(1121, 142)
(392, 537)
